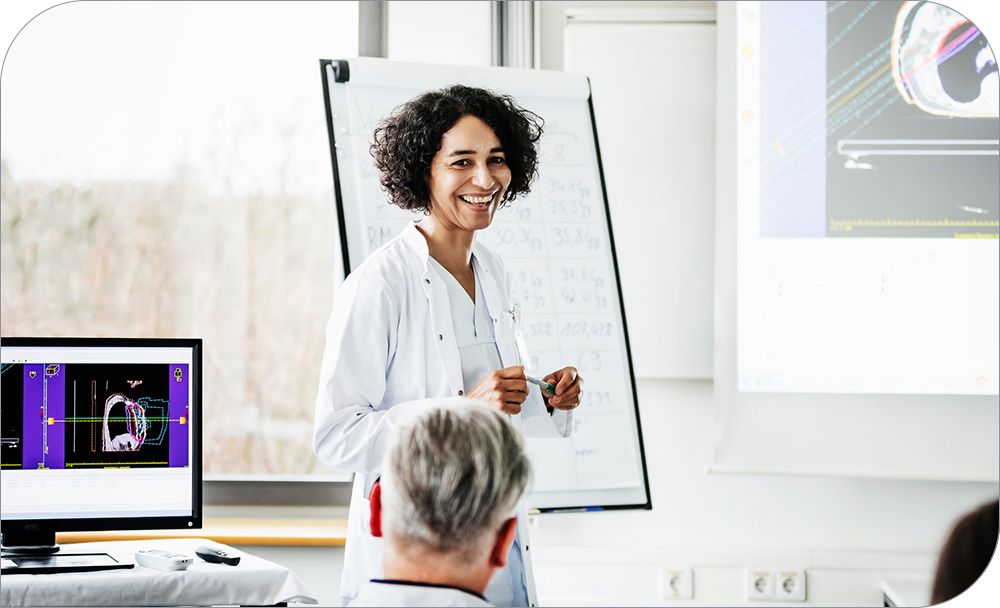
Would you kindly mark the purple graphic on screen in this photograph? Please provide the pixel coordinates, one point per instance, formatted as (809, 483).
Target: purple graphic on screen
(180, 419)
(55, 399)
(34, 384)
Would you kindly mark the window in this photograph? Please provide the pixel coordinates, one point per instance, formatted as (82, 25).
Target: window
(458, 33)
(166, 172)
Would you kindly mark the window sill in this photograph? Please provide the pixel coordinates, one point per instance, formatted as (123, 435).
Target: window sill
(267, 492)
(295, 532)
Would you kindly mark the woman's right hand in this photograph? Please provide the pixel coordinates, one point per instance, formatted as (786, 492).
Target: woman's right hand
(502, 389)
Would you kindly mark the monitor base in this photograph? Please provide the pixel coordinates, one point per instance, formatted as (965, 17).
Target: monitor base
(29, 539)
(63, 562)
(29, 549)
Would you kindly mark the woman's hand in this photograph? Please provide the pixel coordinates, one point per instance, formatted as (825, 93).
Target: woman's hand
(503, 390)
(568, 388)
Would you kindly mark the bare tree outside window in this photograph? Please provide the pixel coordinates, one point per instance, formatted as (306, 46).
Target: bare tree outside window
(176, 182)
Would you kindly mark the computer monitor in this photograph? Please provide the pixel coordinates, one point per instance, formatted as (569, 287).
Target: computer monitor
(98, 434)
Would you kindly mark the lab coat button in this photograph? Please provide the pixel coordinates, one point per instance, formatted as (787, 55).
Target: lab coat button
(440, 337)
(428, 281)
(460, 393)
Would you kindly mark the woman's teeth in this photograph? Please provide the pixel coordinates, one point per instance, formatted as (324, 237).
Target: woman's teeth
(477, 200)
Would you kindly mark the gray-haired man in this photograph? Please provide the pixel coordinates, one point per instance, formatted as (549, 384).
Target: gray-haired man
(445, 506)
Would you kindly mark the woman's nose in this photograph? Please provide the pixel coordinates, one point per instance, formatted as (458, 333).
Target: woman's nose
(482, 178)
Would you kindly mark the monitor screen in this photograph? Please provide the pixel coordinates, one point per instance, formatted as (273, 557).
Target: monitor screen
(100, 434)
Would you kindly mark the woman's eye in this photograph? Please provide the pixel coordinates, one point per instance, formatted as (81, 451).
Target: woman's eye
(497, 160)
(464, 162)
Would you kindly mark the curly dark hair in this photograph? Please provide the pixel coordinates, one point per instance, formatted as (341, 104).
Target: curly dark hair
(406, 141)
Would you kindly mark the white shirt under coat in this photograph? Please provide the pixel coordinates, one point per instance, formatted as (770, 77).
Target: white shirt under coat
(477, 351)
(391, 351)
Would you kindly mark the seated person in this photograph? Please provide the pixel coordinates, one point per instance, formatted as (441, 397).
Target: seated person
(445, 506)
(967, 552)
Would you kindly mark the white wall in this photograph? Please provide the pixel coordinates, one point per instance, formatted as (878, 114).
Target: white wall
(655, 120)
(846, 533)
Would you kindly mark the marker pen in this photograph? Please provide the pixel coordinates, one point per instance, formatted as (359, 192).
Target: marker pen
(545, 386)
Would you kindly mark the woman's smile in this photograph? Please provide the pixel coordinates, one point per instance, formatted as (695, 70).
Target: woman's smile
(480, 202)
(468, 177)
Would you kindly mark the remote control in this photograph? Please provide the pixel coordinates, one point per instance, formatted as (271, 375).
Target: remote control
(216, 556)
(162, 560)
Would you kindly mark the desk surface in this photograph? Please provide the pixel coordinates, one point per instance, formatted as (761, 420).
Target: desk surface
(255, 581)
(904, 591)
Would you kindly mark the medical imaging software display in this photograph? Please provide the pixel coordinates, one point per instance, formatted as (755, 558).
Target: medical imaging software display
(878, 119)
(867, 200)
(98, 434)
(70, 416)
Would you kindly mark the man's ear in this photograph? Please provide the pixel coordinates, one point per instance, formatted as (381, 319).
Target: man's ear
(375, 503)
(502, 542)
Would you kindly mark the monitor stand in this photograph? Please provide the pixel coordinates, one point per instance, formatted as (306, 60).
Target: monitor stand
(36, 552)
(29, 542)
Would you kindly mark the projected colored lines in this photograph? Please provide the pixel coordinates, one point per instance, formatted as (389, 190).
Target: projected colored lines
(946, 52)
(156, 419)
(848, 225)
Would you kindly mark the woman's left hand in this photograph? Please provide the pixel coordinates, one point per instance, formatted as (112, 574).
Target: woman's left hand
(568, 388)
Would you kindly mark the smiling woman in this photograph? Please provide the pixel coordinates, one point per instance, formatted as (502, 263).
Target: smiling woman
(469, 176)
(407, 143)
(426, 315)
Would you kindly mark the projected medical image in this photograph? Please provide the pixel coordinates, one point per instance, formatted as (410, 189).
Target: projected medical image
(878, 119)
(11, 392)
(942, 63)
(95, 415)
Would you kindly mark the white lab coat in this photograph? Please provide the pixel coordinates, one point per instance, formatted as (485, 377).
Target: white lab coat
(390, 353)
(378, 593)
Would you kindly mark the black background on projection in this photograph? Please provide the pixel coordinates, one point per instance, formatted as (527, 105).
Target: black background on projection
(108, 380)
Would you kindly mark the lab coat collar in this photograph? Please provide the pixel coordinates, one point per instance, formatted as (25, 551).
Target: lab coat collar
(437, 299)
(416, 241)
(442, 330)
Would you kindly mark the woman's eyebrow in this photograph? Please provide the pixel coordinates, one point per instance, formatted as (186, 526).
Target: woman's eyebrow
(465, 152)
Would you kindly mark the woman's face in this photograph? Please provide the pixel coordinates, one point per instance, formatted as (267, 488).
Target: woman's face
(469, 175)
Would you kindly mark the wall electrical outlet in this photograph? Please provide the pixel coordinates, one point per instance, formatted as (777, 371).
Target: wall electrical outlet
(760, 585)
(677, 584)
(790, 585)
